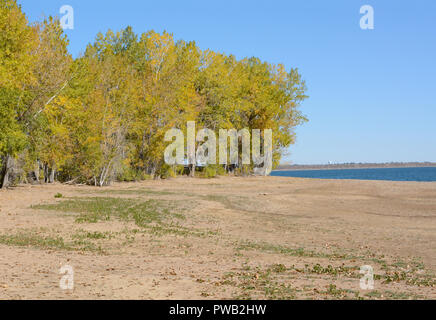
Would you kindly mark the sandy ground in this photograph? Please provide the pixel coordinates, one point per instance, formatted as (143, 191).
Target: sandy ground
(232, 238)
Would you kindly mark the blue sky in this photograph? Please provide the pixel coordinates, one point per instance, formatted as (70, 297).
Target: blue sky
(372, 92)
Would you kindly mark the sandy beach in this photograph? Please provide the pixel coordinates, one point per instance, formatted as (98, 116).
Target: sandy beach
(223, 238)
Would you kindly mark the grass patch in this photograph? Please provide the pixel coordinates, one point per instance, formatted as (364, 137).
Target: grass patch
(409, 277)
(143, 192)
(387, 294)
(95, 209)
(338, 293)
(96, 235)
(259, 283)
(296, 252)
(333, 271)
(158, 217)
(175, 229)
(393, 273)
(34, 240)
(273, 282)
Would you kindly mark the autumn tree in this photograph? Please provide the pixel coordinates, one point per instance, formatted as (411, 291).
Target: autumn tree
(17, 42)
(52, 75)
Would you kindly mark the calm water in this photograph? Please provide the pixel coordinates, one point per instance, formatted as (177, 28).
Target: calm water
(392, 174)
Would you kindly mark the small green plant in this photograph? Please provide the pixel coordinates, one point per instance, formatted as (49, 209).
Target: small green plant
(166, 172)
(210, 172)
(58, 195)
(278, 268)
(333, 290)
(129, 174)
(179, 170)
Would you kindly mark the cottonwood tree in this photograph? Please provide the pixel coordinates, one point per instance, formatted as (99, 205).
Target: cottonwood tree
(17, 42)
(52, 75)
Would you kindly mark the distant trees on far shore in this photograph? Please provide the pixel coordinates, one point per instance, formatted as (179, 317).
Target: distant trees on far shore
(102, 116)
(351, 165)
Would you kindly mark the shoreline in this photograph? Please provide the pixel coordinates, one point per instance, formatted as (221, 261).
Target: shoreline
(326, 167)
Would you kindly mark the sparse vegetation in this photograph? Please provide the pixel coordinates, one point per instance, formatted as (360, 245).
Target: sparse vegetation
(29, 238)
(298, 252)
(158, 217)
(222, 241)
(96, 209)
(260, 283)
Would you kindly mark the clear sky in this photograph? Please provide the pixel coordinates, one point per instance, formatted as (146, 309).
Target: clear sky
(372, 92)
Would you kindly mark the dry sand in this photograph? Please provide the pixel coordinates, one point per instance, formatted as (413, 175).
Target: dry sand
(243, 238)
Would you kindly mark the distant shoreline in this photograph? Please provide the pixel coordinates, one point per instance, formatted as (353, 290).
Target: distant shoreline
(355, 166)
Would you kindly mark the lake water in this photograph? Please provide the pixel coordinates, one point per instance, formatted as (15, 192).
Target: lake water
(391, 174)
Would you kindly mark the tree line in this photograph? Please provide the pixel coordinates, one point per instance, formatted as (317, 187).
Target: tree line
(102, 116)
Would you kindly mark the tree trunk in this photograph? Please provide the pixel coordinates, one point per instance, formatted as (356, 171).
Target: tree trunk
(36, 172)
(46, 173)
(153, 171)
(192, 170)
(4, 173)
(51, 178)
(49, 173)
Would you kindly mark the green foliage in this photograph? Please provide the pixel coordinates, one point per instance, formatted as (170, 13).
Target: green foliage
(12, 138)
(179, 170)
(166, 171)
(17, 40)
(130, 174)
(213, 170)
(210, 172)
